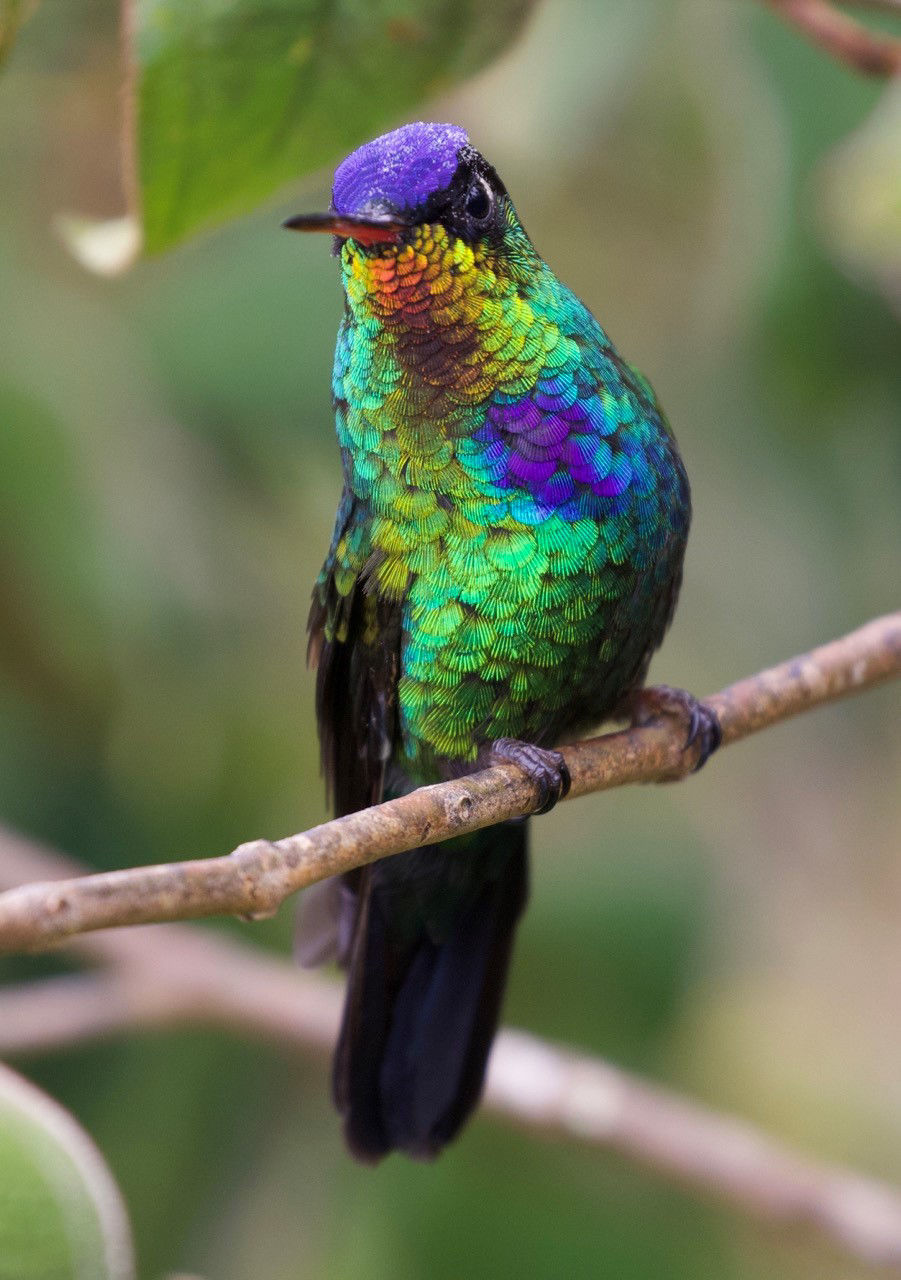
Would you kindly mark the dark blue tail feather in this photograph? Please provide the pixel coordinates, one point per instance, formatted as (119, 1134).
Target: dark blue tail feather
(427, 971)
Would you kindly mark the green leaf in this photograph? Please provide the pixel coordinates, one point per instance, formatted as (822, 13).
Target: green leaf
(61, 1214)
(230, 99)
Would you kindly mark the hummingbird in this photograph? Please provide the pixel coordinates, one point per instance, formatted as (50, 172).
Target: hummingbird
(506, 557)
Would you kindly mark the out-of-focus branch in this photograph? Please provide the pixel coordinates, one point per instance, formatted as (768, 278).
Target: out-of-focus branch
(173, 975)
(873, 53)
(257, 877)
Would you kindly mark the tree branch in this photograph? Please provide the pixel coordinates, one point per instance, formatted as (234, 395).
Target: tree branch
(257, 877)
(173, 975)
(845, 38)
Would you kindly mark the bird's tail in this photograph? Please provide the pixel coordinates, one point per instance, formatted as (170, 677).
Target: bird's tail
(431, 941)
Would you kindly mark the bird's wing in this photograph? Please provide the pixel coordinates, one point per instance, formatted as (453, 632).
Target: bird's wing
(355, 645)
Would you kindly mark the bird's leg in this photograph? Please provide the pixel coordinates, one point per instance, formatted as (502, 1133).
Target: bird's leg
(547, 769)
(701, 723)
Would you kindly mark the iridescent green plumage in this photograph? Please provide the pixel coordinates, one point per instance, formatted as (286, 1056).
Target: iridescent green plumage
(516, 613)
(506, 557)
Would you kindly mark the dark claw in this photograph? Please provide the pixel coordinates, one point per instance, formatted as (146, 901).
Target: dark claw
(703, 724)
(547, 769)
(694, 726)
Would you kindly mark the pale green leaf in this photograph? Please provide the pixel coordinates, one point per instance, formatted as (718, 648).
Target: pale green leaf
(61, 1214)
(860, 199)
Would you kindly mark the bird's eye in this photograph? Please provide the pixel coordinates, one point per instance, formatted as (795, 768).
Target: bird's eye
(478, 201)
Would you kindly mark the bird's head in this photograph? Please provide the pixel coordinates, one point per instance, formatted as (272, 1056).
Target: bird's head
(423, 184)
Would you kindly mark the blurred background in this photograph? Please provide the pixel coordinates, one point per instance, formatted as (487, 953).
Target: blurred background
(715, 190)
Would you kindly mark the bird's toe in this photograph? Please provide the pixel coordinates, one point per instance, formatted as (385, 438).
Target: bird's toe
(547, 769)
(702, 724)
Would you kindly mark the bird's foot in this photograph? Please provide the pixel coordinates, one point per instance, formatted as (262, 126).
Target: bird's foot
(701, 722)
(547, 769)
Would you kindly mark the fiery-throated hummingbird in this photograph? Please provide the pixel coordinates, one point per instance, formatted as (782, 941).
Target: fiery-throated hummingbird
(506, 557)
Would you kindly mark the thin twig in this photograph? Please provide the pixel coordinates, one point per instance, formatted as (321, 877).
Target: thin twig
(173, 975)
(255, 879)
(871, 52)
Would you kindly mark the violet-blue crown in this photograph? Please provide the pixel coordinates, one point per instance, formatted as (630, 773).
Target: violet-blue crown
(400, 169)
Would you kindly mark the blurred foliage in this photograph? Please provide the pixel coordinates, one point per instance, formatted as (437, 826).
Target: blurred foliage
(228, 102)
(860, 198)
(60, 1214)
(168, 476)
(12, 14)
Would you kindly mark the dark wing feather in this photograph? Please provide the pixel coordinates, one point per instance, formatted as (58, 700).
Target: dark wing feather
(355, 645)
